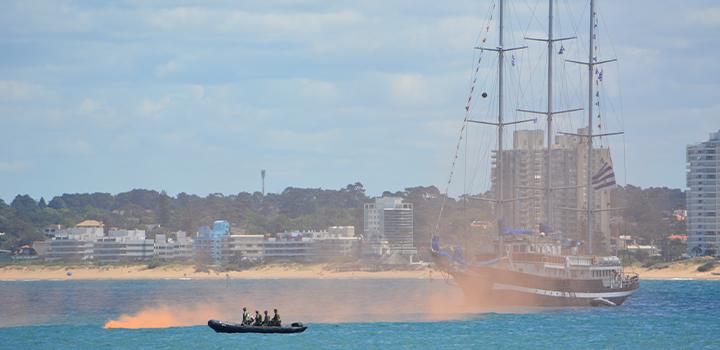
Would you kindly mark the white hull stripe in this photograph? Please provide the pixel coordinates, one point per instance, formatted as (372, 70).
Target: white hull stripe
(553, 293)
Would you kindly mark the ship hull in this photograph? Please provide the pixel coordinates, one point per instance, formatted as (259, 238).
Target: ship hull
(495, 286)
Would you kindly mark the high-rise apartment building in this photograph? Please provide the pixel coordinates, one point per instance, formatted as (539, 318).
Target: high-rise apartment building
(388, 227)
(524, 179)
(703, 196)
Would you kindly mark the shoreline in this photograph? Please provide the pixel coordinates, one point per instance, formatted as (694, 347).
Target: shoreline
(678, 270)
(187, 272)
(681, 270)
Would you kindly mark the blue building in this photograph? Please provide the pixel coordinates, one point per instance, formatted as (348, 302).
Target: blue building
(208, 244)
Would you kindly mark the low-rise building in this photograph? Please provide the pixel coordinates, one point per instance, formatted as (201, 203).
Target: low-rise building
(88, 230)
(237, 248)
(112, 250)
(63, 249)
(298, 249)
(180, 248)
(51, 231)
(123, 246)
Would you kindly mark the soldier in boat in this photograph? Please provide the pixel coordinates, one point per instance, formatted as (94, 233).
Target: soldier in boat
(258, 319)
(266, 320)
(275, 322)
(246, 319)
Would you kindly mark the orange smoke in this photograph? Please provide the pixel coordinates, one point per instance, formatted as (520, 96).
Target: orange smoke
(327, 305)
(164, 316)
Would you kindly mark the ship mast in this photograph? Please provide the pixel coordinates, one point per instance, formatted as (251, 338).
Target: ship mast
(499, 199)
(589, 190)
(549, 113)
(499, 196)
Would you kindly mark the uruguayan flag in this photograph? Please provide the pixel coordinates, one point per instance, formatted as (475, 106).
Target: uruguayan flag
(605, 177)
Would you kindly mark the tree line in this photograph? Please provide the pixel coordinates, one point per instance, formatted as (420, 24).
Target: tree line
(645, 214)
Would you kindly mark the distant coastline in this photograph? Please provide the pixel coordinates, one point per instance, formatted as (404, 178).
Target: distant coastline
(683, 269)
(686, 269)
(182, 272)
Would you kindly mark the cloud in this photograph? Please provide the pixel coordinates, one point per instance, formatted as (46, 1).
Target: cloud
(71, 147)
(709, 17)
(319, 90)
(153, 107)
(407, 88)
(89, 106)
(325, 141)
(13, 90)
(227, 21)
(166, 69)
(14, 167)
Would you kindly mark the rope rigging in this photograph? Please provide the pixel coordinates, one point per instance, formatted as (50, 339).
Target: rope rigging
(468, 106)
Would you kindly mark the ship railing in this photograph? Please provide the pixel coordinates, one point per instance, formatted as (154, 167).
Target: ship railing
(630, 279)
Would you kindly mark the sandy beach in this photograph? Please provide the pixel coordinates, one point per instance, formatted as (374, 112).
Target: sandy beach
(136, 272)
(686, 269)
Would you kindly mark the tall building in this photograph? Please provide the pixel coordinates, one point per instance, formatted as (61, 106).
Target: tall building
(208, 244)
(388, 227)
(703, 196)
(524, 179)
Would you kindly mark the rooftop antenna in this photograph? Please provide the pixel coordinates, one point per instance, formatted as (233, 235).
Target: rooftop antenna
(262, 176)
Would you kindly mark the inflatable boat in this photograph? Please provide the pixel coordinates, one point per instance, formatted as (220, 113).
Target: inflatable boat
(230, 327)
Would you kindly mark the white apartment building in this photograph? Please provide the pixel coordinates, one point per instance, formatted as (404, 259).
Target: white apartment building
(703, 196)
(388, 227)
(335, 243)
(64, 249)
(123, 246)
(179, 248)
(243, 247)
(88, 230)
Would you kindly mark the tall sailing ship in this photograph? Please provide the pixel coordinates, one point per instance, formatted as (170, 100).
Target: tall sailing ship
(536, 267)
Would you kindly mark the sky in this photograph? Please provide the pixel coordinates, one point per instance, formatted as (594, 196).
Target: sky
(199, 96)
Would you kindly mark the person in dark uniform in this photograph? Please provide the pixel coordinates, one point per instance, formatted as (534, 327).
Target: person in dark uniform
(275, 322)
(266, 320)
(258, 319)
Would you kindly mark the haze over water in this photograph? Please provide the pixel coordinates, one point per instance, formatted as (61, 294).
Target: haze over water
(349, 314)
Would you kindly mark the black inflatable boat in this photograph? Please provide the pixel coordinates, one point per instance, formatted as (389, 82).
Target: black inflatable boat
(229, 327)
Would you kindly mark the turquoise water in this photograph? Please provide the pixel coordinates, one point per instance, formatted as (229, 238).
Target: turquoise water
(70, 315)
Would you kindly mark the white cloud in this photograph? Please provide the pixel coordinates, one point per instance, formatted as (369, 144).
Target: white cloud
(14, 90)
(14, 167)
(89, 106)
(198, 19)
(325, 141)
(153, 107)
(318, 90)
(709, 17)
(407, 88)
(166, 69)
(71, 147)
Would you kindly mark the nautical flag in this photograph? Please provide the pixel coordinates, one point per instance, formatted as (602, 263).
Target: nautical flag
(605, 177)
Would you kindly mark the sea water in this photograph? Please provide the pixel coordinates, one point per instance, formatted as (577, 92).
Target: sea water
(71, 314)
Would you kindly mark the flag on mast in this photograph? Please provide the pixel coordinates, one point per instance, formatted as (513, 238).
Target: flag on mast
(605, 177)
